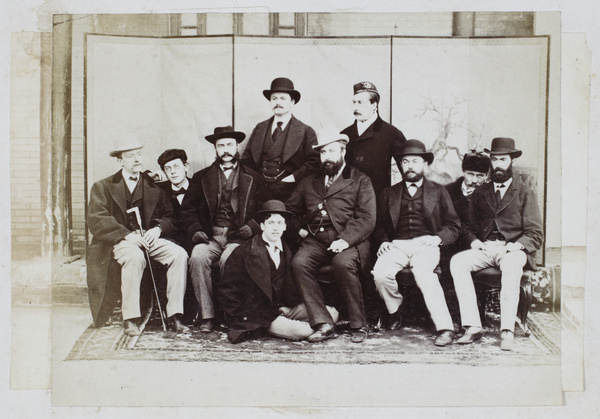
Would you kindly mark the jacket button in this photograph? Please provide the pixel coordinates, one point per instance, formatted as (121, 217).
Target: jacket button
(245, 318)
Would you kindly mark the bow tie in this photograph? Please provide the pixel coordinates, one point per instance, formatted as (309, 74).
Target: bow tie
(227, 168)
(178, 192)
(135, 179)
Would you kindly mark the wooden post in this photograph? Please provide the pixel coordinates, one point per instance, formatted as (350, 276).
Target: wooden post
(463, 24)
(46, 141)
(62, 39)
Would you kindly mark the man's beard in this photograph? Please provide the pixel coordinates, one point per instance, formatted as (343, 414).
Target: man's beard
(500, 175)
(331, 168)
(412, 176)
(234, 158)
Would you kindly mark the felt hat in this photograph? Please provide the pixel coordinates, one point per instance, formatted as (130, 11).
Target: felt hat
(171, 154)
(282, 84)
(225, 132)
(330, 135)
(274, 206)
(416, 148)
(366, 86)
(476, 162)
(116, 152)
(504, 145)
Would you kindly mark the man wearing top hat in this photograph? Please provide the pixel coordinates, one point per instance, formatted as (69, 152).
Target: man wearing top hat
(373, 142)
(217, 213)
(281, 148)
(414, 218)
(504, 231)
(336, 208)
(257, 291)
(116, 237)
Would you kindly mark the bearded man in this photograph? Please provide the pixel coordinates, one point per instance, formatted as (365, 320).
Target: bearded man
(414, 218)
(218, 212)
(336, 209)
(504, 231)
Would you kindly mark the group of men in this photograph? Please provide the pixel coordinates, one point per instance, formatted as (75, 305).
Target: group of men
(253, 231)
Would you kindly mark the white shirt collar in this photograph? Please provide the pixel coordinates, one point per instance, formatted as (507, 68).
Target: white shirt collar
(506, 185)
(418, 184)
(466, 190)
(273, 245)
(185, 185)
(337, 174)
(285, 119)
(131, 184)
(363, 125)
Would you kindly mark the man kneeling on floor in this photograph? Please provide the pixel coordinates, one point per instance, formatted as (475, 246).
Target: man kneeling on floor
(415, 217)
(257, 291)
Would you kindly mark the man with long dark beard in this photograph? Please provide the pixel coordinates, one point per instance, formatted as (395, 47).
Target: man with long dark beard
(218, 213)
(414, 218)
(505, 231)
(337, 211)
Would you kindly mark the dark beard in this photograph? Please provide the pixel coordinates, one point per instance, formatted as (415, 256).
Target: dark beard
(234, 160)
(414, 177)
(500, 175)
(330, 168)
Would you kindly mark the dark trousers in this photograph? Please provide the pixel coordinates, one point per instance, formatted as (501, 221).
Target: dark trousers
(313, 254)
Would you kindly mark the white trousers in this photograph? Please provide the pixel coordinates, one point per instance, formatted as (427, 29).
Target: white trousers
(133, 262)
(510, 263)
(294, 323)
(422, 261)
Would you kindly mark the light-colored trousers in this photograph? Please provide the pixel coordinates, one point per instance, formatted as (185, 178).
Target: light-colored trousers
(294, 324)
(133, 262)
(510, 263)
(422, 261)
(201, 261)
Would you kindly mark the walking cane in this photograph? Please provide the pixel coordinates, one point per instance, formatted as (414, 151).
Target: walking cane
(136, 210)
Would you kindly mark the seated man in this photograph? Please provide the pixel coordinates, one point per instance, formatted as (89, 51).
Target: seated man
(415, 217)
(257, 291)
(218, 213)
(336, 207)
(504, 231)
(116, 235)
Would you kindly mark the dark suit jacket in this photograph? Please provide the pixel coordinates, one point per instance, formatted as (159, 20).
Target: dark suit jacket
(180, 235)
(462, 206)
(245, 290)
(299, 157)
(372, 152)
(108, 223)
(201, 202)
(517, 217)
(439, 213)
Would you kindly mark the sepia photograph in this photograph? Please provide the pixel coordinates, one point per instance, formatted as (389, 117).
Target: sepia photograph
(298, 209)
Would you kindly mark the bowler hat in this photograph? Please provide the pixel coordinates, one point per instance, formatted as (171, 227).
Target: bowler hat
(116, 152)
(281, 84)
(476, 162)
(330, 135)
(366, 86)
(225, 132)
(416, 148)
(274, 206)
(504, 145)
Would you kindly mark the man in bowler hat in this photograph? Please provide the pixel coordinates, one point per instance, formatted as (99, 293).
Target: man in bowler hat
(116, 236)
(414, 218)
(281, 148)
(336, 208)
(257, 291)
(504, 231)
(373, 142)
(218, 213)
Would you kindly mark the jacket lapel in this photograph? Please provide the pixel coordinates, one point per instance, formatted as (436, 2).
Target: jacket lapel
(151, 198)
(396, 203)
(488, 194)
(258, 266)
(509, 196)
(117, 192)
(429, 199)
(210, 186)
(294, 139)
(245, 185)
(259, 141)
(319, 185)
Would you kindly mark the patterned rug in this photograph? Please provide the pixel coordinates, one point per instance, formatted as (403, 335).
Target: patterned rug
(413, 343)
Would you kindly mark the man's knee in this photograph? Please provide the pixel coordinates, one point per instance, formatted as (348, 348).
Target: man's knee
(461, 261)
(345, 261)
(381, 275)
(133, 257)
(202, 255)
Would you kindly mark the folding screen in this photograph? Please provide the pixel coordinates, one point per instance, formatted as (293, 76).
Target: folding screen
(168, 93)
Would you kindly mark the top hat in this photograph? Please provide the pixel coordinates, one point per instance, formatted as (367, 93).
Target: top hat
(116, 152)
(225, 132)
(476, 162)
(171, 154)
(366, 86)
(416, 148)
(504, 145)
(330, 135)
(274, 206)
(281, 84)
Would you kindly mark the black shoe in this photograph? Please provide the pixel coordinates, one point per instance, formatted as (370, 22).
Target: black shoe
(175, 325)
(395, 320)
(207, 326)
(359, 335)
(323, 331)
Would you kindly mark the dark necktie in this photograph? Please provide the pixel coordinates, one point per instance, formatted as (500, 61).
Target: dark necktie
(278, 131)
(175, 194)
(498, 195)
